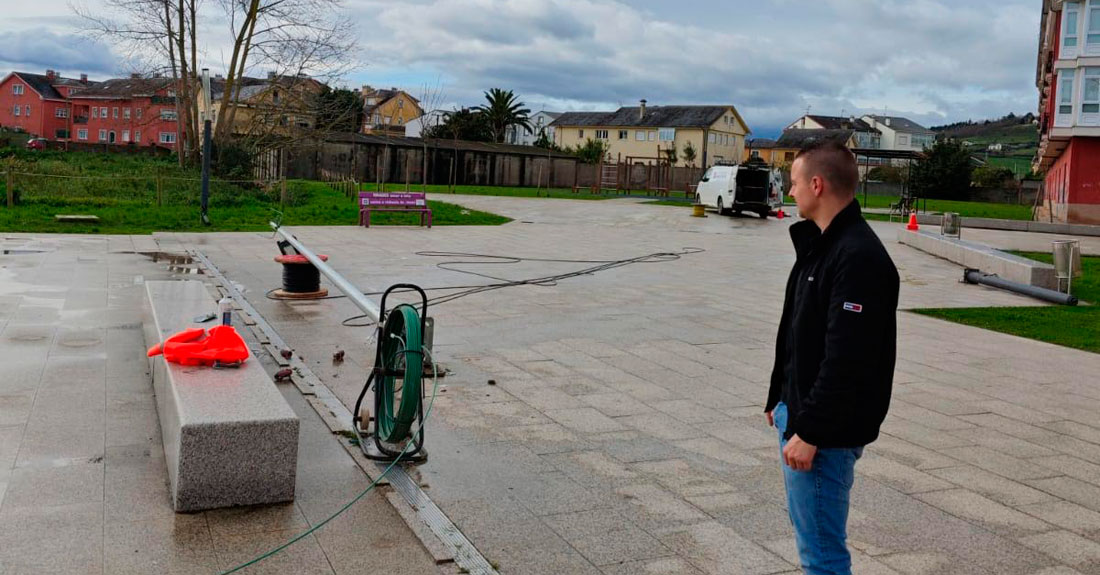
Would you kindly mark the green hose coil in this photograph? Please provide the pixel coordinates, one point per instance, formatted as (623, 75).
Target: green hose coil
(401, 351)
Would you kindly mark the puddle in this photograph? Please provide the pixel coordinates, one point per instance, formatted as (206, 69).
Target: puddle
(177, 263)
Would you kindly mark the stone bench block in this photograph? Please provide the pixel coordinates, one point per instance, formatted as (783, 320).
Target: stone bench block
(229, 436)
(982, 257)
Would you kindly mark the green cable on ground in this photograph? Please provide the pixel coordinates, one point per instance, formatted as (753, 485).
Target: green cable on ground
(409, 324)
(401, 347)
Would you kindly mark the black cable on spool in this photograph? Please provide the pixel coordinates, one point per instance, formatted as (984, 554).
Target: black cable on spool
(301, 278)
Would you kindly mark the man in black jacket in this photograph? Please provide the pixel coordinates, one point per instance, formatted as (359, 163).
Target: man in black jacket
(834, 357)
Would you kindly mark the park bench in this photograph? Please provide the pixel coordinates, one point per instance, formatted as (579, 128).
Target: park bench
(415, 202)
(230, 438)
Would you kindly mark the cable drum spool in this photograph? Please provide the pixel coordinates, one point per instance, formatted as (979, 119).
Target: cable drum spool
(402, 358)
(301, 279)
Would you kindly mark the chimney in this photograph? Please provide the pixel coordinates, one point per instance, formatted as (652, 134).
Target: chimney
(887, 120)
(641, 110)
(51, 75)
(219, 77)
(803, 124)
(83, 78)
(852, 119)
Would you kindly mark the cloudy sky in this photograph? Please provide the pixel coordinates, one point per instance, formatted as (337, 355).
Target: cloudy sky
(934, 61)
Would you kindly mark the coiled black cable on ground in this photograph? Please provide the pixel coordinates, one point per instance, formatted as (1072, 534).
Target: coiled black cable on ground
(543, 281)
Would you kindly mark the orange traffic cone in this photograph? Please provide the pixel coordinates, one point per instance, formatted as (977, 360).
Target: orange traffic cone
(912, 222)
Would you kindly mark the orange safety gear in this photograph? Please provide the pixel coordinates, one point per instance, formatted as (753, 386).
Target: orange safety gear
(194, 346)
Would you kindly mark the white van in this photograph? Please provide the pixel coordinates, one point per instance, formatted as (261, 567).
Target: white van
(751, 187)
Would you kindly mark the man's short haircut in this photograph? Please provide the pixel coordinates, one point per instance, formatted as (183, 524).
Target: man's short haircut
(833, 161)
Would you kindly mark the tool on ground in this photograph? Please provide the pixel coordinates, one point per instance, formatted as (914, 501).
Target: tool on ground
(225, 306)
(399, 368)
(219, 347)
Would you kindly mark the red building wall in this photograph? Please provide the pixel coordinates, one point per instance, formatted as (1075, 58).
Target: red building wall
(8, 100)
(143, 126)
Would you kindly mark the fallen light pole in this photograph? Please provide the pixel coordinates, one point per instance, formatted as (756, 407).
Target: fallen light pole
(399, 365)
(973, 276)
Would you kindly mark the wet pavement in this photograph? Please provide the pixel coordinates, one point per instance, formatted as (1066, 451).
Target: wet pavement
(83, 483)
(611, 423)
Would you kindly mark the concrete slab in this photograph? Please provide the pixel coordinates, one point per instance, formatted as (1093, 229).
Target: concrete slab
(700, 329)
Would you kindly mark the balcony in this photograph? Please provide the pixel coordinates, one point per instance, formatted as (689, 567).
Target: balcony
(80, 119)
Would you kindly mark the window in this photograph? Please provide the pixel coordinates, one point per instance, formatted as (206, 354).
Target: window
(667, 134)
(82, 134)
(167, 114)
(788, 156)
(601, 134)
(137, 134)
(725, 139)
(126, 113)
(1069, 29)
(103, 112)
(95, 112)
(61, 134)
(168, 137)
(1090, 99)
(139, 113)
(712, 138)
(103, 135)
(1092, 28)
(400, 103)
(17, 89)
(125, 136)
(624, 134)
(580, 133)
(114, 112)
(27, 110)
(111, 137)
(1065, 96)
(652, 135)
(903, 139)
(639, 135)
(61, 112)
(16, 110)
(755, 154)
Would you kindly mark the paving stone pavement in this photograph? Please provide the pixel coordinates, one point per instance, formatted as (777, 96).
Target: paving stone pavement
(83, 483)
(624, 435)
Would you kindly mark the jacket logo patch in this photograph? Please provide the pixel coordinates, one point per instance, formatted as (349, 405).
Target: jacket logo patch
(848, 306)
(811, 278)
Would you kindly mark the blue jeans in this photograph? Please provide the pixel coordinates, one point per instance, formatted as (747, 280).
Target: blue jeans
(817, 501)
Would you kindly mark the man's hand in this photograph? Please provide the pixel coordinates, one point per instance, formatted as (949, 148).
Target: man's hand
(771, 420)
(799, 455)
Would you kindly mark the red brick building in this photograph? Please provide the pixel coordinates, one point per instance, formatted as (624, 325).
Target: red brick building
(1068, 78)
(39, 103)
(138, 111)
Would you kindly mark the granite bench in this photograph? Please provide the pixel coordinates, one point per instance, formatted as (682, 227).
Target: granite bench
(230, 438)
(982, 257)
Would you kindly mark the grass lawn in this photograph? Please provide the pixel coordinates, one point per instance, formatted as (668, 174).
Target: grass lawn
(316, 205)
(565, 193)
(965, 209)
(1076, 327)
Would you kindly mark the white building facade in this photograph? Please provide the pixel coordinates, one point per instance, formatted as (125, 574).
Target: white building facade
(540, 121)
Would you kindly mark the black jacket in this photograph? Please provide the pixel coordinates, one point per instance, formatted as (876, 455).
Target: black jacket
(834, 357)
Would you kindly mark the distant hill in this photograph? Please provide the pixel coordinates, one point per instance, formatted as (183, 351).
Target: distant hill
(1011, 129)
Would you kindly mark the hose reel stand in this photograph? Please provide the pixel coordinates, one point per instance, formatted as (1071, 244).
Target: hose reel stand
(397, 380)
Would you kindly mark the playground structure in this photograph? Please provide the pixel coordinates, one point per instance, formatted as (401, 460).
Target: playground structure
(653, 175)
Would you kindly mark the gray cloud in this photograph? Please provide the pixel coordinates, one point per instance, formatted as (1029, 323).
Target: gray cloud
(771, 60)
(37, 49)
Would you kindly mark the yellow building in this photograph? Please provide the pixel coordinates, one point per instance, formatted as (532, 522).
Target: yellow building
(388, 110)
(716, 133)
(284, 103)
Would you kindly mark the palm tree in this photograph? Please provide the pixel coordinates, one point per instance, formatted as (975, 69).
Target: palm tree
(503, 110)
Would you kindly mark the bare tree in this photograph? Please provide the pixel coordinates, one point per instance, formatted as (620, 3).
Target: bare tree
(431, 96)
(155, 35)
(292, 37)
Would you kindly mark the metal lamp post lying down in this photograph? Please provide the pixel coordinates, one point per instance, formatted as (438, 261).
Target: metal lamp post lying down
(398, 415)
